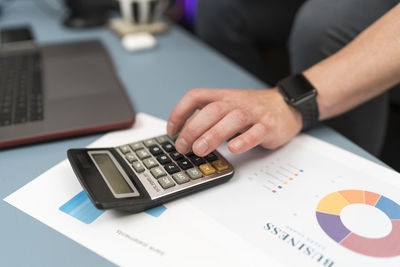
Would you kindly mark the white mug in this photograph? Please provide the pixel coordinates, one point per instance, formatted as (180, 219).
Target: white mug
(142, 11)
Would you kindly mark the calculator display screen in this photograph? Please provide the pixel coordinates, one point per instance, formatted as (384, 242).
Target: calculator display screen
(112, 174)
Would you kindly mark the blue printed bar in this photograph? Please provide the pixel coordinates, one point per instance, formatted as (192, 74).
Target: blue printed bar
(157, 211)
(81, 208)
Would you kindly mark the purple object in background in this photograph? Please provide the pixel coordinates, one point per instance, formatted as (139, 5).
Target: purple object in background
(190, 8)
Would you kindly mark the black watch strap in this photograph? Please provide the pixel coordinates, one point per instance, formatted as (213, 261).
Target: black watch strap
(310, 114)
(301, 94)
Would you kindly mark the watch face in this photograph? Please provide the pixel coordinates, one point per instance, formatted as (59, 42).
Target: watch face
(298, 89)
(301, 89)
(301, 94)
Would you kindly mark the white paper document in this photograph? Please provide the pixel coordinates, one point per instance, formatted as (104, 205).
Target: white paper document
(306, 204)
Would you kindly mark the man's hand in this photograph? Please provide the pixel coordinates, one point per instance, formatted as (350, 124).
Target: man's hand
(262, 116)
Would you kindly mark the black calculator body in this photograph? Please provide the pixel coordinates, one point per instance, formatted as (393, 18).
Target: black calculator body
(142, 175)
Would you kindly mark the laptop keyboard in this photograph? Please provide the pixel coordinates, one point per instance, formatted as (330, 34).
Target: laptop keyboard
(21, 92)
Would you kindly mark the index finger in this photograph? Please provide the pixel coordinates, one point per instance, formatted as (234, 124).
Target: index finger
(191, 101)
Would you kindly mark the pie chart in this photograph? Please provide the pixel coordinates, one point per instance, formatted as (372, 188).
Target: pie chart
(328, 214)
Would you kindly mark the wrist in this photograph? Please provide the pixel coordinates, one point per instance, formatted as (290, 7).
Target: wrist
(292, 113)
(300, 94)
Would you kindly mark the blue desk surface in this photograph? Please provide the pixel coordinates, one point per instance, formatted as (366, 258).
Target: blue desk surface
(155, 81)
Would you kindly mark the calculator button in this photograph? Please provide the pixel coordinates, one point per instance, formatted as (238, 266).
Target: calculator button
(166, 182)
(163, 159)
(138, 166)
(150, 142)
(173, 138)
(194, 173)
(171, 168)
(136, 146)
(162, 139)
(190, 154)
(220, 165)
(207, 169)
(180, 178)
(197, 160)
(157, 172)
(176, 155)
(150, 163)
(168, 147)
(155, 150)
(130, 157)
(142, 154)
(125, 149)
(185, 164)
(211, 157)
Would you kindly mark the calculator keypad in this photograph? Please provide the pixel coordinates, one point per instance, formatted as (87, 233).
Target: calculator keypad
(185, 164)
(156, 162)
(130, 157)
(220, 165)
(197, 160)
(211, 157)
(138, 167)
(168, 147)
(142, 154)
(150, 142)
(163, 159)
(207, 169)
(150, 163)
(162, 139)
(136, 146)
(125, 149)
(171, 168)
(194, 173)
(166, 182)
(155, 150)
(176, 155)
(158, 172)
(180, 178)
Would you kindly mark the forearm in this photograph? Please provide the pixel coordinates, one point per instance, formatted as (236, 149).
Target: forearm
(366, 67)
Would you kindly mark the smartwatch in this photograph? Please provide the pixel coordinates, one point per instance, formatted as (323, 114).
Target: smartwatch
(301, 94)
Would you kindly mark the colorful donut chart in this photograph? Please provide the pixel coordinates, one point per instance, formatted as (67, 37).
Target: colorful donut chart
(328, 216)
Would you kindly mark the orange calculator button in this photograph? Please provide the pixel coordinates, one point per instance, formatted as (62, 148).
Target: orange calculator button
(220, 165)
(207, 169)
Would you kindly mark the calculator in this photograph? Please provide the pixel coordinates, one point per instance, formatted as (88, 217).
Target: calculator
(142, 175)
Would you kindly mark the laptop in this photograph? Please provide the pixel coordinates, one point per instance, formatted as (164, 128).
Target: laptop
(59, 90)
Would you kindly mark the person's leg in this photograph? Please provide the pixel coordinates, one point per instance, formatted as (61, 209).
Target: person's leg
(240, 29)
(323, 27)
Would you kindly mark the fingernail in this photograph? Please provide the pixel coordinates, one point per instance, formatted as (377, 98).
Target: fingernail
(201, 146)
(181, 145)
(170, 128)
(238, 144)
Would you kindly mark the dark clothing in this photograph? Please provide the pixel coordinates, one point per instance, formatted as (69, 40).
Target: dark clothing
(313, 30)
(241, 29)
